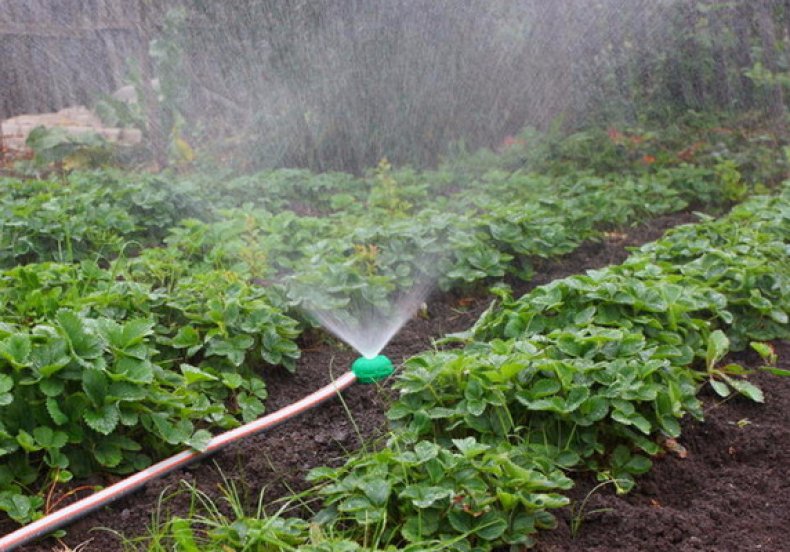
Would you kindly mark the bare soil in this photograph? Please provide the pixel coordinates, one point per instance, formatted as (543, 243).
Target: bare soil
(730, 493)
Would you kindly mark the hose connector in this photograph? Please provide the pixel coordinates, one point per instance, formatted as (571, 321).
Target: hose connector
(371, 370)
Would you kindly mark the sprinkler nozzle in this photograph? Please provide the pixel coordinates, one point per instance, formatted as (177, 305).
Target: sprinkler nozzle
(371, 370)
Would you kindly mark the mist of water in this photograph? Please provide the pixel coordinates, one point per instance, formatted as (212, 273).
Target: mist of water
(342, 83)
(368, 328)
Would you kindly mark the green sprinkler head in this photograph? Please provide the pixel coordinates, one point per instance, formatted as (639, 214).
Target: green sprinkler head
(371, 370)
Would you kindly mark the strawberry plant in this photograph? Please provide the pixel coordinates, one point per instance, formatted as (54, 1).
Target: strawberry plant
(93, 215)
(462, 495)
(586, 371)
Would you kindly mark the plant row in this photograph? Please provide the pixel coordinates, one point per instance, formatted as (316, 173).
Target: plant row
(589, 372)
(102, 374)
(150, 332)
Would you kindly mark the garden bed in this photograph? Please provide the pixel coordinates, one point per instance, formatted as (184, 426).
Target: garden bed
(730, 493)
(276, 462)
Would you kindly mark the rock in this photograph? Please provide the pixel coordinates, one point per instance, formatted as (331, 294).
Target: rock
(76, 120)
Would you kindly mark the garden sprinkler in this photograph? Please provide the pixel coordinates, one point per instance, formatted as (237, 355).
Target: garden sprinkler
(371, 370)
(363, 370)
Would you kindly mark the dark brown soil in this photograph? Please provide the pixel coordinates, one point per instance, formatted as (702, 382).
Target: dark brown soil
(276, 462)
(730, 493)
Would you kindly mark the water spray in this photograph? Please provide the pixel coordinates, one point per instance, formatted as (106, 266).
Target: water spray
(363, 370)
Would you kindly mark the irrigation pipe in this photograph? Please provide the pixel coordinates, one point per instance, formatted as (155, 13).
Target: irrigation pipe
(364, 371)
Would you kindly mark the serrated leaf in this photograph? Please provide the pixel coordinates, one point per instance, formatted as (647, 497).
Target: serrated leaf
(95, 384)
(50, 357)
(186, 337)
(134, 370)
(84, 344)
(48, 438)
(543, 388)
(51, 387)
(199, 440)
(136, 330)
(193, 374)
(377, 491)
(103, 420)
(491, 526)
(423, 496)
(19, 507)
(251, 406)
(595, 408)
(232, 380)
(55, 412)
(233, 348)
(469, 447)
(16, 350)
(107, 454)
(126, 391)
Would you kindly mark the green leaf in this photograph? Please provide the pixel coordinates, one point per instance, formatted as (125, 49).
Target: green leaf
(185, 338)
(84, 344)
(638, 464)
(491, 526)
(469, 447)
(200, 440)
(134, 370)
(718, 345)
(418, 527)
(425, 451)
(52, 387)
(460, 521)
(103, 420)
(424, 496)
(48, 438)
(765, 350)
(193, 374)
(355, 504)
(584, 317)
(94, 383)
(251, 406)
(16, 350)
(720, 388)
(19, 507)
(50, 357)
(776, 371)
(108, 454)
(543, 388)
(595, 408)
(747, 389)
(377, 491)
(55, 412)
(135, 331)
(234, 348)
(232, 380)
(26, 441)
